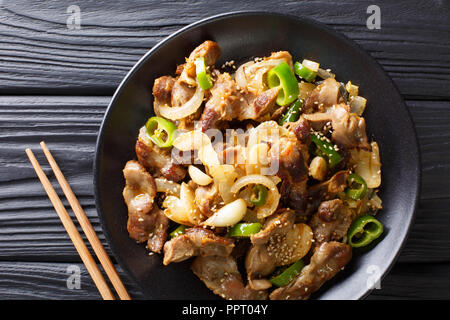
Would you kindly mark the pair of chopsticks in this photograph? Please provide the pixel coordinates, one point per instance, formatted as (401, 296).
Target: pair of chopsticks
(74, 235)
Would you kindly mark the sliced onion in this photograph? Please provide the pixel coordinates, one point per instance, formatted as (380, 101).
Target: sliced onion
(198, 176)
(273, 196)
(167, 186)
(191, 106)
(228, 215)
(257, 158)
(250, 75)
(267, 131)
(312, 65)
(305, 89)
(197, 140)
(240, 77)
(358, 105)
(183, 209)
(224, 177)
(368, 165)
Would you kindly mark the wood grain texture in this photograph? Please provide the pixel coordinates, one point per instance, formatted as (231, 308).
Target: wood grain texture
(39, 54)
(41, 280)
(55, 84)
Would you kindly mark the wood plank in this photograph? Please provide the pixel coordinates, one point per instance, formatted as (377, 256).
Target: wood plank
(415, 281)
(43, 280)
(30, 229)
(40, 55)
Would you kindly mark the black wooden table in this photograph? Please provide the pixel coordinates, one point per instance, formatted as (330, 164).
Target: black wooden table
(58, 73)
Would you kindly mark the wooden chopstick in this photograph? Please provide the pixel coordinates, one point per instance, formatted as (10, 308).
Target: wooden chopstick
(71, 229)
(89, 231)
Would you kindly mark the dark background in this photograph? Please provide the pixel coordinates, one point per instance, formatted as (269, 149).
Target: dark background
(56, 82)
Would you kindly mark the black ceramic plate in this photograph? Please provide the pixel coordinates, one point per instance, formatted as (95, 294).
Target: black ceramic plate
(241, 36)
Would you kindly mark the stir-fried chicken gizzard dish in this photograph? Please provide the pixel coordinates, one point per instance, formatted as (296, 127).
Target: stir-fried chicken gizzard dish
(265, 165)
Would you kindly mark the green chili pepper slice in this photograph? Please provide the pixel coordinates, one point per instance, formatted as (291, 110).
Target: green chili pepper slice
(203, 77)
(293, 113)
(357, 187)
(244, 229)
(259, 195)
(304, 72)
(181, 229)
(363, 231)
(327, 149)
(283, 78)
(288, 275)
(161, 131)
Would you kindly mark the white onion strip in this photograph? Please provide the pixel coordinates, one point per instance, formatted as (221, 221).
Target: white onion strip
(223, 175)
(273, 196)
(167, 186)
(228, 215)
(191, 106)
(198, 176)
(197, 140)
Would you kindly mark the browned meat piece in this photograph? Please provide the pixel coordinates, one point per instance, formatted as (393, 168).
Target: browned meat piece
(251, 101)
(317, 121)
(227, 103)
(158, 235)
(331, 221)
(326, 190)
(292, 157)
(181, 93)
(207, 198)
(325, 263)
(256, 107)
(196, 242)
(144, 223)
(279, 223)
(159, 161)
(139, 194)
(277, 244)
(224, 103)
(221, 275)
(323, 96)
(349, 130)
(302, 131)
(162, 89)
(210, 50)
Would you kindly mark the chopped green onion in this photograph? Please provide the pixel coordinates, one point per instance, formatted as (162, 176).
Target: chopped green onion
(327, 149)
(293, 113)
(363, 231)
(159, 129)
(283, 78)
(288, 275)
(244, 229)
(357, 187)
(304, 72)
(259, 196)
(181, 229)
(203, 77)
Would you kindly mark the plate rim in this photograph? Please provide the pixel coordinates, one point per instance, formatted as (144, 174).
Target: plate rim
(99, 142)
